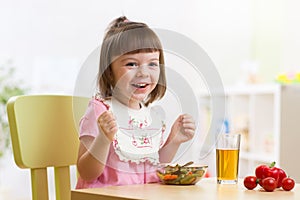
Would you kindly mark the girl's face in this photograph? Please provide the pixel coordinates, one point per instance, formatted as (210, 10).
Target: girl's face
(135, 76)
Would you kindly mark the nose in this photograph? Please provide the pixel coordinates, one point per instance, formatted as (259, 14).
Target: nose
(142, 71)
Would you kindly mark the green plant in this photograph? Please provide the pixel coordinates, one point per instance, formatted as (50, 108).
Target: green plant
(9, 87)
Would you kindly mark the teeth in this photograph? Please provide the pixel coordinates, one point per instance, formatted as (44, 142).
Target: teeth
(140, 85)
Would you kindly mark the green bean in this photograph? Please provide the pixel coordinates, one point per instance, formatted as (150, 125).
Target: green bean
(188, 179)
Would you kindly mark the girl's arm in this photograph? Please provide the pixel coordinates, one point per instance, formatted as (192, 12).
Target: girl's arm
(182, 130)
(93, 152)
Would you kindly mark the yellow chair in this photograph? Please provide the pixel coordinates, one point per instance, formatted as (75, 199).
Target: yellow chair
(44, 133)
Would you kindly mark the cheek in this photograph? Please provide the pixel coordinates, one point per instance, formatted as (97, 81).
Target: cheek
(122, 77)
(155, 76)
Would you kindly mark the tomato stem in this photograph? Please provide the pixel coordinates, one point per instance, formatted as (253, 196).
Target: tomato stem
(272, 164)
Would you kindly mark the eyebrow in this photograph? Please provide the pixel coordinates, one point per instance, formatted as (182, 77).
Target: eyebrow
(131, 58)
(155, 59)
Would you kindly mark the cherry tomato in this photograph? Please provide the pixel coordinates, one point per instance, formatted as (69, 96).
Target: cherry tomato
(269, 184)
(288, 183)
(260, 182)
(281, 176)
(259, 171)
(264, 171)
(250, 182)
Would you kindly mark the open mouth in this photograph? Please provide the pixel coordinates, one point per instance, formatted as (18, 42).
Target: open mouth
(140, 85)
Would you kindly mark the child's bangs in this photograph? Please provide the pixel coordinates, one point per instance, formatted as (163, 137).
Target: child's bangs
(137, 41)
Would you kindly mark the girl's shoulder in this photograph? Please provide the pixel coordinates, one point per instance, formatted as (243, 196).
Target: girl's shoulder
(97, 99)
(97, 106)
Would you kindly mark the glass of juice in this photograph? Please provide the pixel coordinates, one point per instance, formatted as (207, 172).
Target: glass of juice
(227, 158)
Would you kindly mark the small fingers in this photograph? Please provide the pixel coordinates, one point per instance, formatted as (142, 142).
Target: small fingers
(187, 118)
(188, 132)
(106, 116)
(188, 125)
(107, 122)
(188, 122)
(109, 125)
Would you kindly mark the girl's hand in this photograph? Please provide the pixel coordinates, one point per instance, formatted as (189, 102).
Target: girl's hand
(183, 129)
(107, 124)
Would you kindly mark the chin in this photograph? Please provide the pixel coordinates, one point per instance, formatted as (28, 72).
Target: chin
(139, 97)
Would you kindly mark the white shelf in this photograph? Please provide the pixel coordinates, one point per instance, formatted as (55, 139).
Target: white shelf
(244, 90)
(267, 116)
(252, 89)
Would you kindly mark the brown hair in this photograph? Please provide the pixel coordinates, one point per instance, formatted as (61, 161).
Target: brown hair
(127, 37)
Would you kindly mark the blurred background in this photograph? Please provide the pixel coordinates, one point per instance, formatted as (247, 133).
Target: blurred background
(46, 43)
(47, 40)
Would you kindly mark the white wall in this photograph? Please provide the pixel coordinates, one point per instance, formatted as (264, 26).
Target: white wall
(291, 33)
(49, 39)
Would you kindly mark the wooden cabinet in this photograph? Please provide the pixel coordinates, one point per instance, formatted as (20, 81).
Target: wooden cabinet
(268, 117)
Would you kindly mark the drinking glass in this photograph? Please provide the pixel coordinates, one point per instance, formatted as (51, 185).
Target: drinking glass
(227, 158)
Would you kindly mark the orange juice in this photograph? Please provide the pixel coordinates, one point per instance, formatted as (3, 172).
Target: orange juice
(227, 164)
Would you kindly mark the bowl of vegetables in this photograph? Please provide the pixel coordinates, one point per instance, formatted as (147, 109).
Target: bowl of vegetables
(175, 174)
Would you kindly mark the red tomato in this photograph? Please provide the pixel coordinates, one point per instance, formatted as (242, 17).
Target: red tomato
(288, 183)
(264, 171)
(259, 171)
(260, 182)
(250, 182)
(269, 184)
(281, 176)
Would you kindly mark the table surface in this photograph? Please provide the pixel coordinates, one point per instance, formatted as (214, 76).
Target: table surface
(205, 189)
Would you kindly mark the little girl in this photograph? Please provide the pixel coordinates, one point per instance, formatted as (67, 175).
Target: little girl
(121, 134)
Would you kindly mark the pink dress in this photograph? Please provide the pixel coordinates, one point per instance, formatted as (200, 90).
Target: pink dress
(133, 155)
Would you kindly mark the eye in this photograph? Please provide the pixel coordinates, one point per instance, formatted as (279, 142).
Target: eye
(131, 64)
(153, 64)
